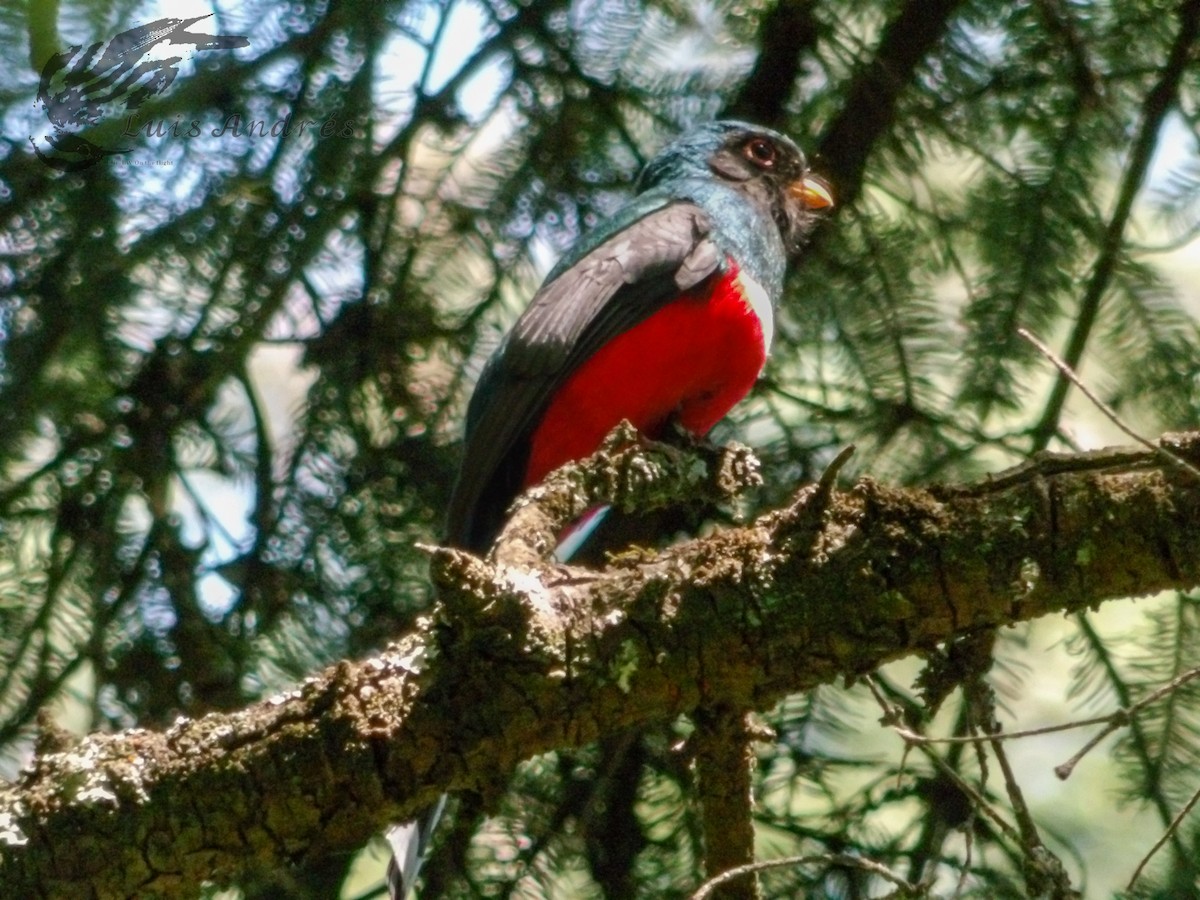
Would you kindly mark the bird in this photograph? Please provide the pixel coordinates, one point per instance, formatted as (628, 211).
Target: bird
(663, 315)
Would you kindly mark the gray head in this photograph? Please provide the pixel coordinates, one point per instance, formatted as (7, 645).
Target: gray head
(758, 162)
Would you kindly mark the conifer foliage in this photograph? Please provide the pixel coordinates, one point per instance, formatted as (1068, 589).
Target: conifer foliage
(244, 295)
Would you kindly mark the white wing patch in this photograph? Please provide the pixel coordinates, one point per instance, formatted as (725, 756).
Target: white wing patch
(760, 301)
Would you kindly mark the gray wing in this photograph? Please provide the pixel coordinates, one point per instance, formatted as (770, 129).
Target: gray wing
(609, 288)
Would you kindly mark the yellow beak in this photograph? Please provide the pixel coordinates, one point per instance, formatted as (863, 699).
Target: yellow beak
(812, 191)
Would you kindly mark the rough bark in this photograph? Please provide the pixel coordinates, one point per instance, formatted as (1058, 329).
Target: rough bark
(724, 760)
(521, 659)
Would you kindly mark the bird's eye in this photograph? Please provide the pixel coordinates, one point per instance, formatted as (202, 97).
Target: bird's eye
(762, 152)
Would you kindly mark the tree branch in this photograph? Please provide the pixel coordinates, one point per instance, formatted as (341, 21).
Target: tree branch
(872, 97)
(1157, 103)
(518, 661)
(788, 33)
(723, 744)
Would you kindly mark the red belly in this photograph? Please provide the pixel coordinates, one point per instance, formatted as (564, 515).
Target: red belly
(693, 359)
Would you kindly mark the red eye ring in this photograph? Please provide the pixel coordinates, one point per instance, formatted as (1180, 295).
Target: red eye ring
(761, 151)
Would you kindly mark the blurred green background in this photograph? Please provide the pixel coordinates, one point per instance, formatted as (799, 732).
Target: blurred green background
(239, 319)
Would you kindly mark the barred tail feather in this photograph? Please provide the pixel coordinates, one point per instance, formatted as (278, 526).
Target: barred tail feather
(577, 534)
(410, 842)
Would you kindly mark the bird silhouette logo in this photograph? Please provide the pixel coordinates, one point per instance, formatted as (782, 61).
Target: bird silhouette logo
(79, 86)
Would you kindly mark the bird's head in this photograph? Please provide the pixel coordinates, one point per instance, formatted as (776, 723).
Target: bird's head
(763, 164)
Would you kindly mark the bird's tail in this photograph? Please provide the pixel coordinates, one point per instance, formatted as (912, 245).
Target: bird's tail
(578, 532)
(410, 842)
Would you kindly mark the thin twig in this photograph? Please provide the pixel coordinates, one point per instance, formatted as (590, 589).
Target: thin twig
(1112, 721)
(969, 841)
(1122, 717)
(1119, 719)
(1029, 833)
(1166, 835)
(807, 510)
(916, 737)
(837, 859)
(979, 801)
(829, 476)
(1108, 411)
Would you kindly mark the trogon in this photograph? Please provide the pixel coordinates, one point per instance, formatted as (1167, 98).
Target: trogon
(665, 312)
(662, 315)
